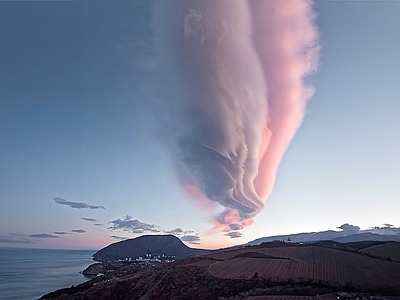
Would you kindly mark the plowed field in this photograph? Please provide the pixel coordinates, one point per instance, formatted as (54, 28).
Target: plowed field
(390, 250)
(331, 265)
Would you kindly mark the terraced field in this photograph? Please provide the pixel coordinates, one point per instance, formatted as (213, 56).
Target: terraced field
(325, 264)
(285, 297)
(389, 250)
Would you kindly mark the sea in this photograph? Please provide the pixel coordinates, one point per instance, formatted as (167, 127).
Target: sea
(31, 273)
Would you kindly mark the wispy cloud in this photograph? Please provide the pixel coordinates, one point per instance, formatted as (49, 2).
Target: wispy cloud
(89, 219)
(78, 230)
(14, 240)
(78, 205)
(43, 236)
(119, 238)
(191, 239)
(60, 232)
(98, 224)
(234, 234)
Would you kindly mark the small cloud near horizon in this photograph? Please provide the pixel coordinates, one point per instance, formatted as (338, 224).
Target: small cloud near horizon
(78, 205)
(233, 234)
(98, 224)
(191, 239)
(348, 227)
(179, 231)
(43, 235)
(89, 219)
(388, 225)
(78, 230)
(14, 240)
(60, 232)
(119, 238)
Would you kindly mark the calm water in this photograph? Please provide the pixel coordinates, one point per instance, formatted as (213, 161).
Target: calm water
(31, 273)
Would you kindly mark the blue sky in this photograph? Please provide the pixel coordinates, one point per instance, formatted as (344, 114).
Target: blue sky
(74, 125)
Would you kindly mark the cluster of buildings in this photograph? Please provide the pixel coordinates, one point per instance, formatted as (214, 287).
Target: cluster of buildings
(150, 258)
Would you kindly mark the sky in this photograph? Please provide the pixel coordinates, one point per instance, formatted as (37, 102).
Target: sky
(106, 134)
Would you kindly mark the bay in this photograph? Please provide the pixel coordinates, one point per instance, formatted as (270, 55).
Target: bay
(31, 273)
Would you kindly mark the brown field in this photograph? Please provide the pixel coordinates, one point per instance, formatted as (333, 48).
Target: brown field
(286, 297)
(389, 250)
(325, 264)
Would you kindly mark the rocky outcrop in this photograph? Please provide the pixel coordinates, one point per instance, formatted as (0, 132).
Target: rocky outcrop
(94, 269)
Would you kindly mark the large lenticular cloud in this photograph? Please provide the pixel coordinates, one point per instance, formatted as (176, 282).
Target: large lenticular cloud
(233, 80)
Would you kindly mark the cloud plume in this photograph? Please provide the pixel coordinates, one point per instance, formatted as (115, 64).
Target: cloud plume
(78, 205)
(233, 78)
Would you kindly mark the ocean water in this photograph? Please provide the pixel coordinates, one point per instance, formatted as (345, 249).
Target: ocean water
(31, 273)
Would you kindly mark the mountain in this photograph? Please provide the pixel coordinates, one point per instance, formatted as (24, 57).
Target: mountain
(298, 237)
(156, 245)
(349, 233)
(367, 236)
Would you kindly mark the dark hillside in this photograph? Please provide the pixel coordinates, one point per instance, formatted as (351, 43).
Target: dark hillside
(261, 272)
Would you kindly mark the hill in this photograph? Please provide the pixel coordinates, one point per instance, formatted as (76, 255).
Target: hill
(165, 246)
(329, 265)
(323, 270)
(388, 250)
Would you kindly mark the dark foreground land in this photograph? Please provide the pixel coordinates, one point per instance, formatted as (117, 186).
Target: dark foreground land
(276, 271)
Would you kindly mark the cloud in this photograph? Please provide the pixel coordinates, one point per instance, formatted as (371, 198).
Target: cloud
(191, 239)
(89, 219)
(349, 228)
(13, 240)
(98, 224)
(388, 225)
(78, 205)
(387, 229)
(78, 230)
(43, 236)
(178, 231)
(234, 234)
(60, 232)
(233, 94)
(236, 226)
(133, 225)
(137, 227)
(120, 238)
